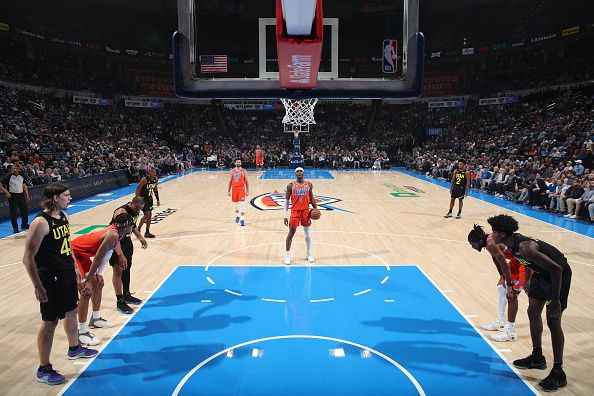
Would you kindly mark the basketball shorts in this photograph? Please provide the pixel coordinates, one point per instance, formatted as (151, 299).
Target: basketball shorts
(62, 294)
(541, 288)
(259, 161)
(127, 249)
(148, 204)
(237, 194)
(299, 217)
(458, 192)
(85, 261)
(518, 278)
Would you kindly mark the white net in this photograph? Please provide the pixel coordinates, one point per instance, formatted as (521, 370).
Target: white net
(299, 112)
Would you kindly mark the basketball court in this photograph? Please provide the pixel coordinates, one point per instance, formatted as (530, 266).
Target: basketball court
(393, 303)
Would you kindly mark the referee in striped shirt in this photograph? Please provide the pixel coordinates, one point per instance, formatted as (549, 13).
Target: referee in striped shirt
(17, 194)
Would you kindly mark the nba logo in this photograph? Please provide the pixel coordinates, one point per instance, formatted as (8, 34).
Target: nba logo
(389, 59)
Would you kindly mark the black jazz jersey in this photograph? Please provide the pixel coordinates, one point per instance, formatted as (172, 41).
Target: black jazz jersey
(132, 214)
(148, 189)
(55, 253)
(460, 179)
(548, 250)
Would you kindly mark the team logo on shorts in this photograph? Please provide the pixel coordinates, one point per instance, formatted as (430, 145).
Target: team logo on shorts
(276, 201)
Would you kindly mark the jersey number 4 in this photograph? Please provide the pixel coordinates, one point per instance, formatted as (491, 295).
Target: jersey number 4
(66, 249)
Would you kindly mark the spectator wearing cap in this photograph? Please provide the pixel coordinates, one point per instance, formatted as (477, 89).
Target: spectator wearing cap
(578, 168)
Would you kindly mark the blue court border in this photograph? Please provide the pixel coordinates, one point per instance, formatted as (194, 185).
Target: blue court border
(555, 220)
(91, 201)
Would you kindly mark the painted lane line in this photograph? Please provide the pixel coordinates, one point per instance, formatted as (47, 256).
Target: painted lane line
(385, 280)
(389, 301)
(210, 280)
(111, 338)
(205, 301)
(488, 341)
(402, 369)
(362, 292)
(232, 292)
(274, 300)
(322, 300)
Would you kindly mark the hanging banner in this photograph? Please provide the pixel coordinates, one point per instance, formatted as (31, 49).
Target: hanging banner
(447, 103)
(92, 101)
(143, 103)
(250, 106)
(499, 100)
(543, 38)
(570, 31)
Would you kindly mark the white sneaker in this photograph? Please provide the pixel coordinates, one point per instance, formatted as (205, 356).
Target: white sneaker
(496, 325)
(88, 338)
(311, 259)
(507, 334)
(573, 217)
(99, 323)
(287, 260)
(567, 215)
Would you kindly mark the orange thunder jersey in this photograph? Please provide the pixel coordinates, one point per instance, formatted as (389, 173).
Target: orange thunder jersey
(259, 154)
(238, 177)
(88, 244)
(300, 196)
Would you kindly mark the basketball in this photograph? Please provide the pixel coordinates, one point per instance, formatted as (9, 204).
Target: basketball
(315, 214)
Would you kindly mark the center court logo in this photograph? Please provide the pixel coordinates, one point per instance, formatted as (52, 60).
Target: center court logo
(276, 201)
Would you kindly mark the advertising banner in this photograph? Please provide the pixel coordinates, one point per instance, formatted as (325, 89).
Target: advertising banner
(499, 100)
(81, 187)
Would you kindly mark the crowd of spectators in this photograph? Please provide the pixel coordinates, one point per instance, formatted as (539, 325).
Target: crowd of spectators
(54, 139)
(538, 153)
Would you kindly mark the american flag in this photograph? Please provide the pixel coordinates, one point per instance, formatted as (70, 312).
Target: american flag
(213, 63)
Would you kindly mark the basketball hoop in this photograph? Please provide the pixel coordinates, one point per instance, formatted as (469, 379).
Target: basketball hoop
(299, 112)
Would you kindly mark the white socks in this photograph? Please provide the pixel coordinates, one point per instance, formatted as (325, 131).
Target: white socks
(96, 314)
(83, 328)
(501, 314)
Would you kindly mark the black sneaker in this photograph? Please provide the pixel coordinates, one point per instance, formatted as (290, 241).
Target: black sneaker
(459, 215)
(148, 235)
(531, 362)
(448, 215)
(25, 226)
(15, 230)
(130, 299)
(123, 307)
(555, 380)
